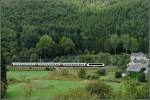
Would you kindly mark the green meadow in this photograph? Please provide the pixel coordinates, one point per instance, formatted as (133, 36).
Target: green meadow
(44, 87)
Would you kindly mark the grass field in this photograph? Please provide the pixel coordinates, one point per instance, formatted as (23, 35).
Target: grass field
(42, 88)
(19, 75)
(46, 88)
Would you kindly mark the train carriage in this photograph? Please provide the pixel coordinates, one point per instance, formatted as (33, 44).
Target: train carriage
(51, 64)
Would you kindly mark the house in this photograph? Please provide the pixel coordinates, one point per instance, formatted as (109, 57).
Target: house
(136, 67)
(139, 63)
(138, 56)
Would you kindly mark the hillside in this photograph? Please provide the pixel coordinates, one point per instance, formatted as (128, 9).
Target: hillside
(72, 27)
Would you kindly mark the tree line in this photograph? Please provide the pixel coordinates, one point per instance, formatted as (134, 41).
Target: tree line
(47, 29)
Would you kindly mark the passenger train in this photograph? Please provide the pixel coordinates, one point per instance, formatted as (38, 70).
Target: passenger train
(51, 64)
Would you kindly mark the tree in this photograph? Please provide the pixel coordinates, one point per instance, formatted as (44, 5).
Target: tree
(82, 73)
(118, 74)
(133, 44)
(14, 58)
(3, 77)
(86, 51)
(91, 29)
(101, 72)
(114, 41)
(101, 89)
(29, 38)
(45, 46)
(133, 90)
(143, 91)
(66, 44)
(125, 39)
(107, 45)
(34, 57)
(76, 94)
(141, 77)
(64, 72)
(24, 55)
(28, 89)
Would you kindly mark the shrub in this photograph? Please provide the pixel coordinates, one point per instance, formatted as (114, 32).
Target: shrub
(134, 75)
(142, 92)
(100, 89)
(118, 74)
(3, 88)
(12, 80)
(101, 72)
(51, 69)
(92, 77)
(76, 94)
(141, 77)
(82, 73)
(120, 60)
(28, 89)
(47, 69)
(64, 72)
(134, 90)
(131, 89)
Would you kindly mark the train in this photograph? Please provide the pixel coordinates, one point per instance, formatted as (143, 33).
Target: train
(53, 64)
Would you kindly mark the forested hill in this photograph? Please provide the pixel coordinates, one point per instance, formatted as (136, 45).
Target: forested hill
(50, 28)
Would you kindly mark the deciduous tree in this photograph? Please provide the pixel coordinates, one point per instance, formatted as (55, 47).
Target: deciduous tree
(45, 46)
(66, 44)
(125, 39)
(114, 41)
(134, 45)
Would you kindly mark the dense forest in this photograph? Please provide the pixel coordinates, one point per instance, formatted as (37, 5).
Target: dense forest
(48, 29)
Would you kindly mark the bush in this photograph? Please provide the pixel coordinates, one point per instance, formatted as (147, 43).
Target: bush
(134, 75)
(12, 80)
(51, 69)
(142, 92)
(141, 77)
(132, 89)
(28, 89)
(100, 89)
(101, 72)
(92, 77)
(64, 72)
(82, 73)
(76, 94)
(118, 74)
(120, 60)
